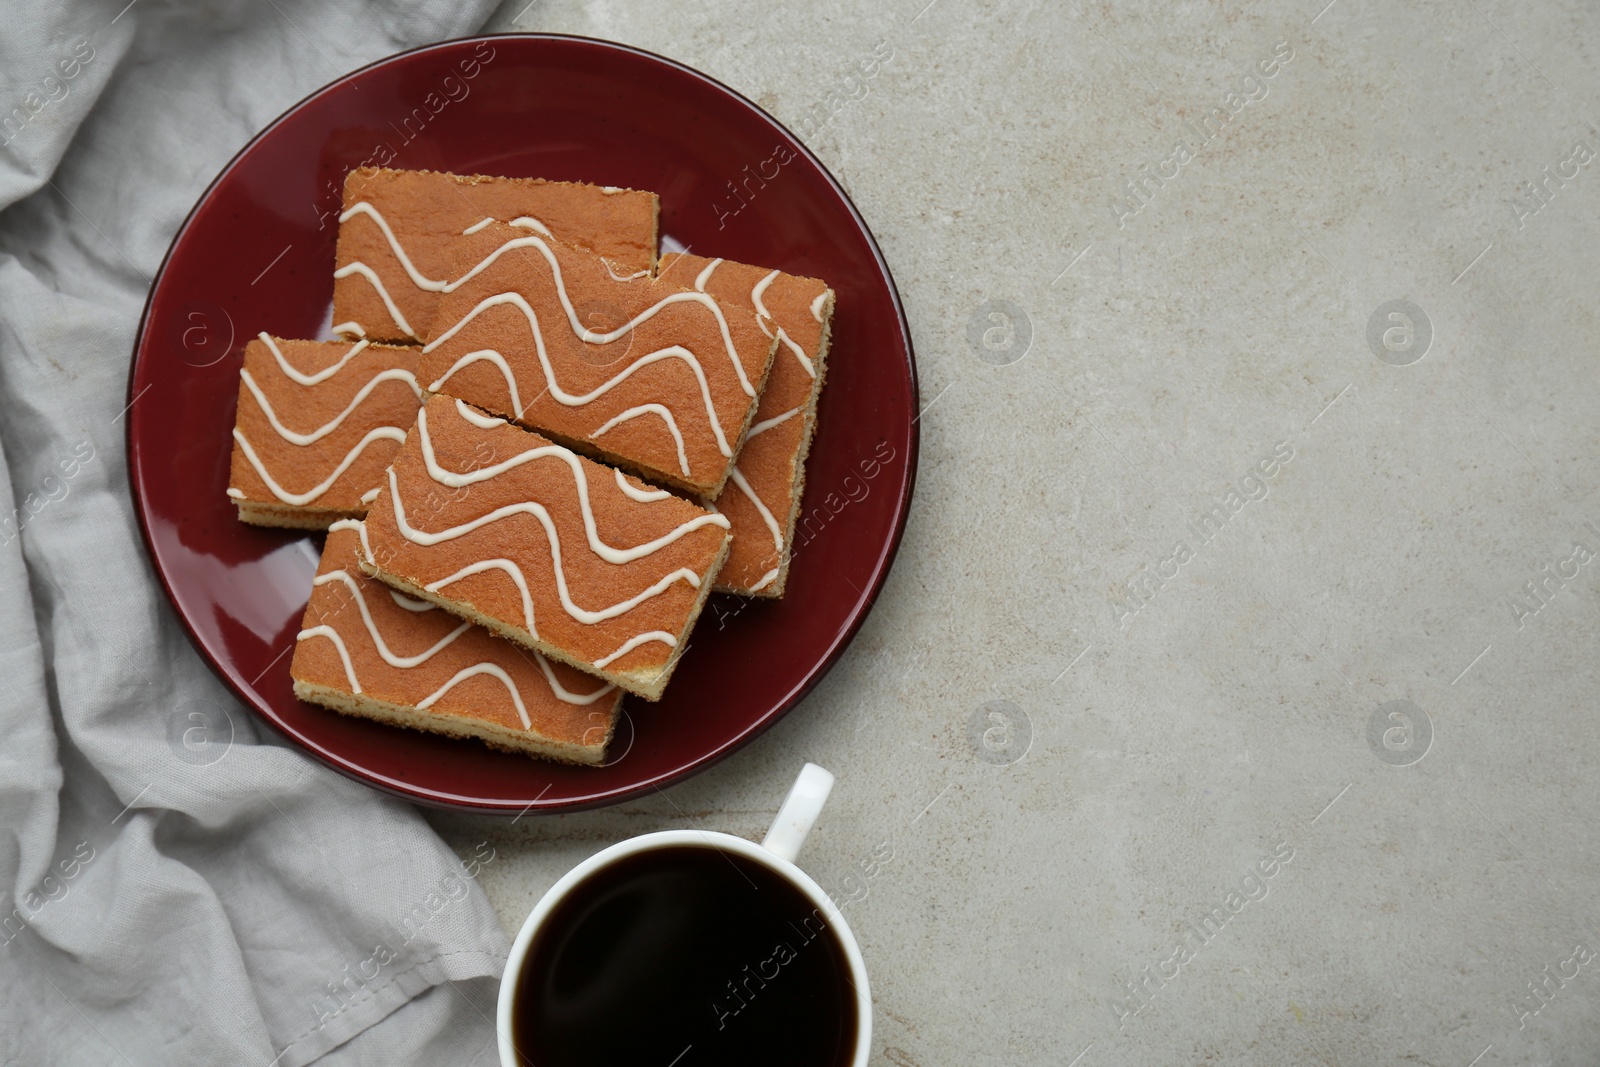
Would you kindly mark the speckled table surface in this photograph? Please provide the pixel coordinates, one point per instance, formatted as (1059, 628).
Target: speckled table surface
(1231, 698)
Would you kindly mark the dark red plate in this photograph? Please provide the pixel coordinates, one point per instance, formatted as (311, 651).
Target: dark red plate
(257, 254)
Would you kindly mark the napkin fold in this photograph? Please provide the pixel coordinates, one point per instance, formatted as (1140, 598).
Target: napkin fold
(175, 886)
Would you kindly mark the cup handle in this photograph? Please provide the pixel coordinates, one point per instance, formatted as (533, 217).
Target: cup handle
(799, 812)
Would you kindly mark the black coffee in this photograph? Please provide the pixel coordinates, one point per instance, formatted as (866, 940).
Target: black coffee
(685, 956)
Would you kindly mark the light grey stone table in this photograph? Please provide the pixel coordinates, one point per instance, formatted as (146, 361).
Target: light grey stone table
(1233, 697)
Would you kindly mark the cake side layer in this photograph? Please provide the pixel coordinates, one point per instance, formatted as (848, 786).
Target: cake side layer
(296, 518)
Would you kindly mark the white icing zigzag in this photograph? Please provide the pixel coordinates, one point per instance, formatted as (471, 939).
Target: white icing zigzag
(408, 662)
(553, 388)
(763, 314)
(766, 424)
(579, 330)
(393, 375)
(736, 475)
(506, 565)
(772, 523)
(294, 374)
(367, 272)
(705, 274)
(766, 516)
(379, 433)
(666, 417)
(390, 433)
(634, 642)
(393, 660)
(605, 551)
(538, 511)
(458, 480)
(623, 277)
(417, 278)
(643, 496)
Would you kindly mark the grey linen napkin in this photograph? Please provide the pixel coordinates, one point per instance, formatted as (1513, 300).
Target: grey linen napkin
(176, 887)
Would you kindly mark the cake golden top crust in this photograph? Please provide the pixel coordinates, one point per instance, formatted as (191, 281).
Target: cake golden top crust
(399, 228)
(319, 420)
(646, 373)
(766, 483)
(586, 560)
(359, 637)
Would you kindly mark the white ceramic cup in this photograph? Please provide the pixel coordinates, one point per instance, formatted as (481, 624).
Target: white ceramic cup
(776, 852)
